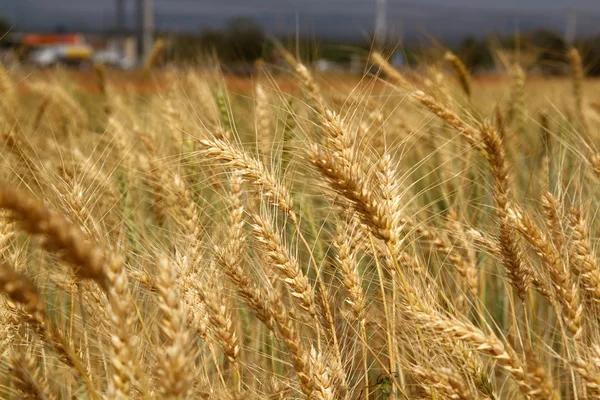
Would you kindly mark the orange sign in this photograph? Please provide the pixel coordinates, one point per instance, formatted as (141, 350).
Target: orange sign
(40, 40)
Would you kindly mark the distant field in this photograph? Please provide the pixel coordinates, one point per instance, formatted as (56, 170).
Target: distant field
(161, 79)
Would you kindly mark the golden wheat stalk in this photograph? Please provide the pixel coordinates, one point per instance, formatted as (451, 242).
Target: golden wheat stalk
(21, 290)
(87, 259)
(450, 117)
(285, 263)
(577, 79)
(26, 377)
(582, 259)
(461, 71)
(352, 184)
(532, 383)
(252, 170)
(175, 372)
(445, 381)
(155, 53)
(263, 123)
(518, 272)
(567, 293)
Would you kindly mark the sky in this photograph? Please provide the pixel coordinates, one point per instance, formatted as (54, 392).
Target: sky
(445, 19)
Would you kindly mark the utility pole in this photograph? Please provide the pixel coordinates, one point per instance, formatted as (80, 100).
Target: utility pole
(571, 27)
(120, 25)
(145, 10)
(380, 23)
(120, 17)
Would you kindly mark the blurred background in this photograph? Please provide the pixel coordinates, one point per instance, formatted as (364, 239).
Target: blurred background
(331, 35)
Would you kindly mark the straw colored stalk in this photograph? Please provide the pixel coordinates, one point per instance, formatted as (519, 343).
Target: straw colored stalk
(567, 293)
(450, 117)
(461, 71)
(88, 261)
(176, 369)
(20, 289)
(532, 383)
(582, 260)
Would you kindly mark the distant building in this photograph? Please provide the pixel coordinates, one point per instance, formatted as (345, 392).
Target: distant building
(115, 50)
(324, 65)
(44, 50)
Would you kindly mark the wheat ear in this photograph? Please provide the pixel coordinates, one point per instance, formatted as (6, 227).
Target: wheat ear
(26, 377)
(451, 118)
(286, 264)
(176, 372)
(443, 380)
(228, 256)
(20, 289)
(531, 383)
(87, 259)
(351, 280)
(352, 184)
(518, 272)
(262, 118)
(221, 321)
(567, 293)
(581, 257)
(461, 71)
(252, 170)
(577, 79)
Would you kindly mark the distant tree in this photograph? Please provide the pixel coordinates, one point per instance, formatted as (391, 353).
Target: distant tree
(590, 53)
(5, 26)
(212, 40)
(338, 53)
(186, 48)
(244, 40)
(474, 53)
(552, 50)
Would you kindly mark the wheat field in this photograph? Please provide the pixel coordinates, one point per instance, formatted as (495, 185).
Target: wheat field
(401, 236)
